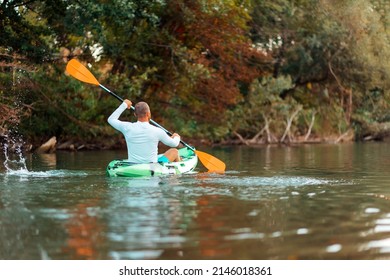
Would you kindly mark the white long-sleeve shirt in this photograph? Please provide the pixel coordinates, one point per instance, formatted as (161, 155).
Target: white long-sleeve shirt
(141, 137)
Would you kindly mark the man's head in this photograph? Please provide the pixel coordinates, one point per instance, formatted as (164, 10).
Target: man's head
(142, 110)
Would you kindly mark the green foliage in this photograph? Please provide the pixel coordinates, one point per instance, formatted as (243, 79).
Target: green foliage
(207, 68)
(20, 34)
(263, 101)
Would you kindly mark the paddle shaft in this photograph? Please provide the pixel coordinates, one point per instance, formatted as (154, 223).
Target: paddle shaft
(151, 121)
(80, 72)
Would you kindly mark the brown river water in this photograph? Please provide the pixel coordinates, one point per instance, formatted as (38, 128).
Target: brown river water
(298, 202)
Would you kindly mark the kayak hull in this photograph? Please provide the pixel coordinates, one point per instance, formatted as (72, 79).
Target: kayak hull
(123, 168)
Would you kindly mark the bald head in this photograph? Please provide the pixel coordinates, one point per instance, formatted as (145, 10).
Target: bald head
(142, 110)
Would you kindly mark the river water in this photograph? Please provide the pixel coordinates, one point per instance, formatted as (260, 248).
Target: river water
(297, 202)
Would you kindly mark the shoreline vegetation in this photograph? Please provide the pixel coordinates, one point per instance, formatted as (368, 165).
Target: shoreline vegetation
(256, 72)
(117, 143)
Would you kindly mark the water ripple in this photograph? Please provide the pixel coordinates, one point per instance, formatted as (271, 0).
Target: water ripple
(45, 174)
(278, 181)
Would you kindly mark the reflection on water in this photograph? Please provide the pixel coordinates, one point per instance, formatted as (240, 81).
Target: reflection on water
(306, 202)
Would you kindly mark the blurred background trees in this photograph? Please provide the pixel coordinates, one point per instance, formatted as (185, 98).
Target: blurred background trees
(250, 71)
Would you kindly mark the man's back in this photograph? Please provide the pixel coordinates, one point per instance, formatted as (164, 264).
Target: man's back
(142, 141)
(141, 137)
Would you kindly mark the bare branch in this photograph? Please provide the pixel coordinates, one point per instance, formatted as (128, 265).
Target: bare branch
(289, 123)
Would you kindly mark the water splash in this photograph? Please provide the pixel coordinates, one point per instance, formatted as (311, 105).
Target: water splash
(24, 173)
(13, 154)
(12, 140)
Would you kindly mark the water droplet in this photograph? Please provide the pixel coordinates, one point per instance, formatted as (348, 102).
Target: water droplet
(253, 213)
(334, 248)
(302, 231)
(371, 210)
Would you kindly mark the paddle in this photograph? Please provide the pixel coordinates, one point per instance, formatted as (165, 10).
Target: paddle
(80, 72)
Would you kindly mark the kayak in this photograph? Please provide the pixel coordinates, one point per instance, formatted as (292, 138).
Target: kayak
(123, 168)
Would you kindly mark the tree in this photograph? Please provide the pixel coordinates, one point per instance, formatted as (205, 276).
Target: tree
(333, 50)
(210, 57)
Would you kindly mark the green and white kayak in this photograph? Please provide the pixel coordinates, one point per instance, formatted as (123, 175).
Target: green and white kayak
(123, 168)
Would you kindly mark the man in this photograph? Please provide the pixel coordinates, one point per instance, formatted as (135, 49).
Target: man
(141, 137)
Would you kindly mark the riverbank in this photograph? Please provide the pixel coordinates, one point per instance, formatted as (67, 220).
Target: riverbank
(52, 144)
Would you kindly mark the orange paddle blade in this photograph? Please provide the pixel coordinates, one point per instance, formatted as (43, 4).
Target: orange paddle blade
(211, 163)
(80, 72)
